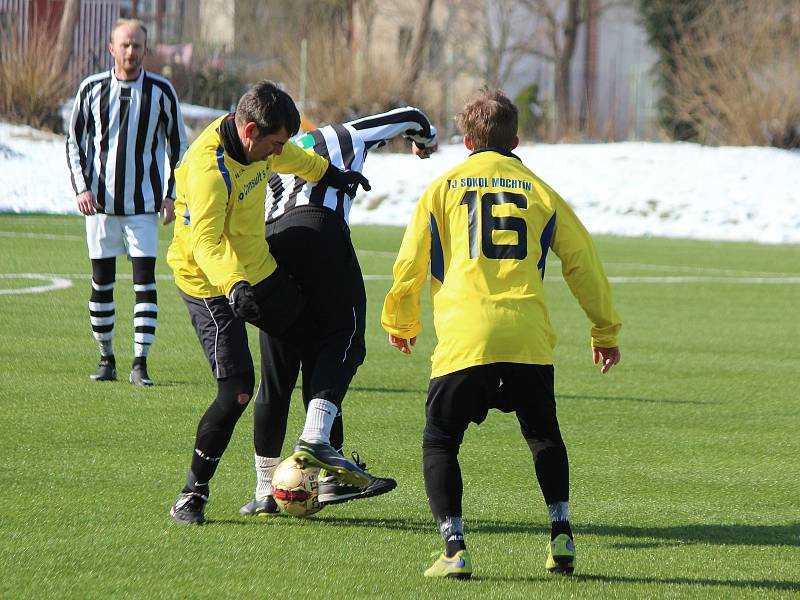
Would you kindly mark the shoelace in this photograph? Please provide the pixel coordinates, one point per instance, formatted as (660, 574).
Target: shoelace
(192, 501)
(357, 460)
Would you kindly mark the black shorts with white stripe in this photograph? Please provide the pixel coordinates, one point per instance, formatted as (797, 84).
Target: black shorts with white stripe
(222, 336)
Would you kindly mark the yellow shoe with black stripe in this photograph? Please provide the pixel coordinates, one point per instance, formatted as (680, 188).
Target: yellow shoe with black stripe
(454, 567)
(561, 555)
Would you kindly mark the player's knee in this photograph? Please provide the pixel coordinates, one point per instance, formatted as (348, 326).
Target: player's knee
(103, 270)
(441, 436)
(550, 444)
(238, 387)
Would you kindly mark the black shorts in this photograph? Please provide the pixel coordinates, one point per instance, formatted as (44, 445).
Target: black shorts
(222, 335)
(465, 396)
(281, 303)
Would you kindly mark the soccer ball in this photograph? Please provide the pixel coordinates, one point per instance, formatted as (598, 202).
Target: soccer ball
(295, 488)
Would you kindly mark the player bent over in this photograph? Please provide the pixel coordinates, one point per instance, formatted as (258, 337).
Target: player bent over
(308, 233)
(485, 228)
(227, 276)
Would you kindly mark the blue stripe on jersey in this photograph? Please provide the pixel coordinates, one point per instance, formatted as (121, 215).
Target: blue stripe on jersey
(222, 168)
(547, 237)
(437, 255)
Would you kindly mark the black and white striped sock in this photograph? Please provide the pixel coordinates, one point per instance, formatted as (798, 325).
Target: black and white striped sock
(145, 314)
(101, 316)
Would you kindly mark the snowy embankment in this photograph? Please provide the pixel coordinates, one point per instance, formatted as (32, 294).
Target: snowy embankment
(631, 189)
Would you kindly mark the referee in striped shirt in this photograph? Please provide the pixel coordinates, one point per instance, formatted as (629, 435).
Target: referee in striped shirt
(125, 123)
(308, 233)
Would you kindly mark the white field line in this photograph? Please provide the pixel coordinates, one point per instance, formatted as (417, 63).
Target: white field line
(691, 269)
(62, 280)
(55, 237)
(748, 276)
(43, 236)
(55, 282)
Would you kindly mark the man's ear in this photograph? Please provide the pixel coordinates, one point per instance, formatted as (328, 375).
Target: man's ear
(249, 131)
(515, 143)
(111, 48)
(468, 144)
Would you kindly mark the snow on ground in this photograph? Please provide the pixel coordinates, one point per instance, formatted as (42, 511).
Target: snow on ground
(630, 189)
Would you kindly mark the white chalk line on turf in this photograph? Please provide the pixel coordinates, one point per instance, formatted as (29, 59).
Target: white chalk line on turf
(692, 269)
(745, 277)
(702, 279)
(43, 236)
(56, 282)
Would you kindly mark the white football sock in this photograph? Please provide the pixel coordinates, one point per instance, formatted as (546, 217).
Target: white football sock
(265, 467)
(319, 420)
(559, 511)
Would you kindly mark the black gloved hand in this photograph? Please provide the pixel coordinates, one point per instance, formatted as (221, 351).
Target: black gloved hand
(243, 302)
(347, 180)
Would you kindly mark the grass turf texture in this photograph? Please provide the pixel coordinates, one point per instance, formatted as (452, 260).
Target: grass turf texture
(683, 459)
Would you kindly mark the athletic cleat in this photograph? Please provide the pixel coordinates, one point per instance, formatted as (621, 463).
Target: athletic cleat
(188, 509)
(561, 555)
(455, 567)
(260, 508)
(106, 370)
(326, 457)
(332, 491)
(139, 374)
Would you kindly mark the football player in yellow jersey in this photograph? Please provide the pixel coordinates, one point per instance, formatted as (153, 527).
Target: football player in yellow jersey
(485, 228)
(226, 274)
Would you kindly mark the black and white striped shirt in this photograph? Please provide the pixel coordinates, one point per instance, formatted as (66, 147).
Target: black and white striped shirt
(346, 146)
(119, 135)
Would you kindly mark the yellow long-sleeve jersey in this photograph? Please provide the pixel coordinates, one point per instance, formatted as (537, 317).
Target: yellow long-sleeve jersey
(219, 214)
(485, 228)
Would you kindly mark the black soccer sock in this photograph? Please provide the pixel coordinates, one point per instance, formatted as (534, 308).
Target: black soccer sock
(552, 467)
(269, 423)
(559, 527)
(101, 303)
(216, 426)
(194, 486)
(443, 483)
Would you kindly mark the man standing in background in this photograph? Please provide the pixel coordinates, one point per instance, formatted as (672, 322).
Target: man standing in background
(124, 123)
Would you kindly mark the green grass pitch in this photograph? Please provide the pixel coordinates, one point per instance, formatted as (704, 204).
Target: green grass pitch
(684, 459)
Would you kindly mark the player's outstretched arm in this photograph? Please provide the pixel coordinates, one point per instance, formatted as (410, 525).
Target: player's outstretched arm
(608, 356)
(423, 151)
(402, 344)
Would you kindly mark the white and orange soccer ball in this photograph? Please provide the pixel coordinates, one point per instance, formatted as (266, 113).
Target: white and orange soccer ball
(295, 488)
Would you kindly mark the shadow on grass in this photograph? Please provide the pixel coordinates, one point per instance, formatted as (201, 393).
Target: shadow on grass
(629, 399)
(656, 537)
(578, 578)
(384, 390)
(715, 535)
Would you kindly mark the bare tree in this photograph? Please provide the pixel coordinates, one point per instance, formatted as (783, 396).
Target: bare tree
(63, 49)
(421, 34)
(561, 20)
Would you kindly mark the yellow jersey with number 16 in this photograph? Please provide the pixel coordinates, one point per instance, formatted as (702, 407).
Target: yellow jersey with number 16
(485, 228)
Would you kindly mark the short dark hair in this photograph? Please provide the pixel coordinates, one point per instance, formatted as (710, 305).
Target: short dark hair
(489, 120)
(269, 107)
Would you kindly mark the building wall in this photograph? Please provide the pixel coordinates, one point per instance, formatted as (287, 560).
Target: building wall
(624, 91)
(217, 22)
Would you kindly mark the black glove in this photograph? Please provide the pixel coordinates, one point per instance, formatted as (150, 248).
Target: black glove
(243, 302)
(347, 180)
